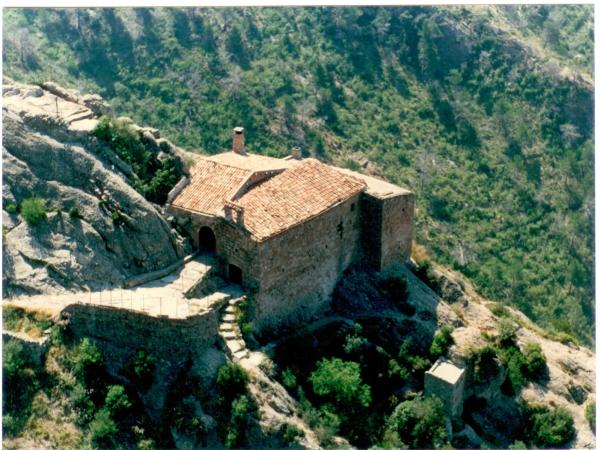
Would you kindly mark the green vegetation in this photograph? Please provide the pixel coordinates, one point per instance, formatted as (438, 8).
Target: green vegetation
(340, 383)
(534, 360)
(485, 365)
(521, 366)
(235, 406)
(31, 322)
(155, 178)
(11, 208)
(442, 340)
(140, 369)
(353, 377)
(74, 213)
(548, 428)
(33, 210)
(497, 144)
(590, 415)
(20, 381)
(416, 423)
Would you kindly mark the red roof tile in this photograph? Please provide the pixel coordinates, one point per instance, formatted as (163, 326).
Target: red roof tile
(303, 191)
(211, 184)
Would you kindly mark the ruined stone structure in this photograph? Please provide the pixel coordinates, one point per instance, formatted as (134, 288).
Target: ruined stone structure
(288, 228)
(447, 382)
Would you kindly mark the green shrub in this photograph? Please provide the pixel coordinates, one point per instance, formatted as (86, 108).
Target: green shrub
(550, 428)
(82, 405)
(441, 341)
(515, 364)
(288, 379)
(11, 208)
(535, 361)
(485, 366)
(185, 419)
(117, 402)
(406, 363)
(517, 445)
(74, 213)
(590, 415)
(232, 380)
(87, 359)
(340, 382)
(290, 432)
(240, 408)
(498, 309)
(103, 430)
(140, 369)
(507, 332)
(33, 210)
(417, 423)
(12, 316)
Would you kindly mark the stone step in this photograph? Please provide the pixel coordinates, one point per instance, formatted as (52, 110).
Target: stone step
(228, 335)
(235, 346)
(229, 318)
(226, 327)
(231, 309)
(236, 300)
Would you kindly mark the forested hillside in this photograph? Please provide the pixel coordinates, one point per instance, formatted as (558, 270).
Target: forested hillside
(486, 113)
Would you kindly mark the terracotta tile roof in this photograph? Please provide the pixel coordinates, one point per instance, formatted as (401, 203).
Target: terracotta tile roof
(211, 184)
(303, 191)
(250, 161)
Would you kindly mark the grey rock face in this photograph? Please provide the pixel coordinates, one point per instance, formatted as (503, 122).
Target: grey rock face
(116, 233)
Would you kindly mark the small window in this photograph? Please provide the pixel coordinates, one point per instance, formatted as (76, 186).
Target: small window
(352, 206)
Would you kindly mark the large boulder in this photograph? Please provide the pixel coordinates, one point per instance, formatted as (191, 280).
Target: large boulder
(98, 231)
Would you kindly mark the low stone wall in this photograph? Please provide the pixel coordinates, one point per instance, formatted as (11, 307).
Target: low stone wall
(164, 337)
(36, 348)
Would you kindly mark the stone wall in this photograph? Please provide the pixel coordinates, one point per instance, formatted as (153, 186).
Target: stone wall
(233, 244)
(387, 227)
(397, 229)
(300, 268)
(161, 336)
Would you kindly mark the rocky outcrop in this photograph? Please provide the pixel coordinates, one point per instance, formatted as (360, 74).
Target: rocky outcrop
(98, 231)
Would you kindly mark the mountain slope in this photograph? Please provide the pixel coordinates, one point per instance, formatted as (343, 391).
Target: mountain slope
(489, 123)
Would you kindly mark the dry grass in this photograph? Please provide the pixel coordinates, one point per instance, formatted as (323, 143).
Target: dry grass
(418, 253)
(31, 321)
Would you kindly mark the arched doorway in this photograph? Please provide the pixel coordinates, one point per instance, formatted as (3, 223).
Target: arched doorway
(207, 243)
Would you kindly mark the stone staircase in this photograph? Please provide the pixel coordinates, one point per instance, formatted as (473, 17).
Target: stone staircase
(230, 331)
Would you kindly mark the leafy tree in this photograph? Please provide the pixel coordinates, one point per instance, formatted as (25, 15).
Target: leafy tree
(117, 402)
(33, 210)
(103, 430)
(340, 382)
(88, 359)
(417, 423)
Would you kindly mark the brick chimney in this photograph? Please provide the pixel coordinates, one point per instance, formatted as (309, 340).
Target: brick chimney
(296, 153)
(238, 141)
